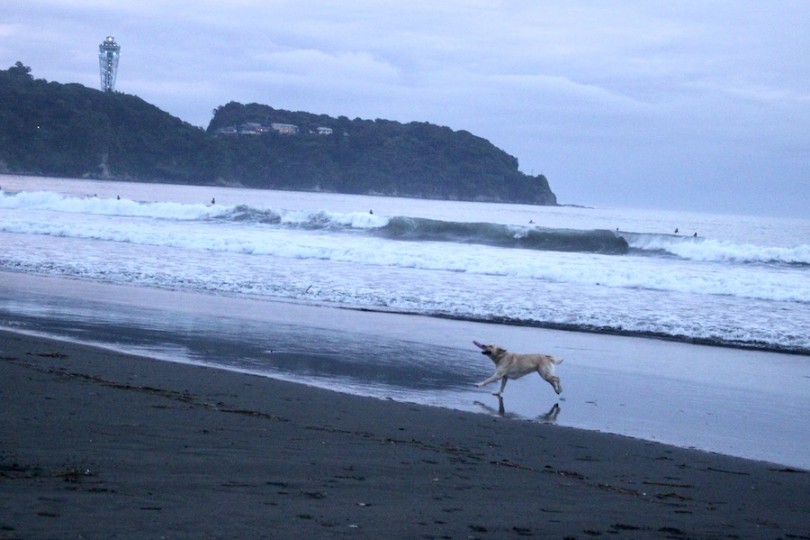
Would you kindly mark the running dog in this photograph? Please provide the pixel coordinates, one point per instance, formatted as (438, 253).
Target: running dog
(514, 366)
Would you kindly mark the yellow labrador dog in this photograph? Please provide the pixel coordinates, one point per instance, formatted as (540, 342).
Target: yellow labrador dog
(514, 366)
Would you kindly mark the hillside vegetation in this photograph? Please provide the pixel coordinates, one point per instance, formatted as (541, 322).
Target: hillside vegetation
(48, 128)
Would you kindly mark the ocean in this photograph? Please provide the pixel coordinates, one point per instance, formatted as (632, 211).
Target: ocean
(221, 259)
(742, 281)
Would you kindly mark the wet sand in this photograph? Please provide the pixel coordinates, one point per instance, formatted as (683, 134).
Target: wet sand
(750, 404)
(98, 444)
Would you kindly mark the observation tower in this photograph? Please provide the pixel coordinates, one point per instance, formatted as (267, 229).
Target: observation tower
(108, 53)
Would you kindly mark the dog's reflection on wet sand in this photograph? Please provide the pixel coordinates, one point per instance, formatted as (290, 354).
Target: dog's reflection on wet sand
(549, 417)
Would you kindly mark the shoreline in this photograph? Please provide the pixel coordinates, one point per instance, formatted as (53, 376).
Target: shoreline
(104, 444)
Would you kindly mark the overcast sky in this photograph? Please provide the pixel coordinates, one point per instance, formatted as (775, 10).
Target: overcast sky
(691, 105)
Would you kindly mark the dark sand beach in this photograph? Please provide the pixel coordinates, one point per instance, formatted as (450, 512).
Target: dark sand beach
(98, 444)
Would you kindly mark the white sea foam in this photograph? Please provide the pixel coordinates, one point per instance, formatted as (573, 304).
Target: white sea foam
(714, 250)
(44, 200)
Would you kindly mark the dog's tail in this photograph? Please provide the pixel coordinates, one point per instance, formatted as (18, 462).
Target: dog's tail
(557, 360)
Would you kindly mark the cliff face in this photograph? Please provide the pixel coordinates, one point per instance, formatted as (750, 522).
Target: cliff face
(70, 130)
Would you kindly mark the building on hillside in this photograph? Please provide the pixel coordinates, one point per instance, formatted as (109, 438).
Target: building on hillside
(252, 128)
(228, 130)
(286, 129)
(255, 128)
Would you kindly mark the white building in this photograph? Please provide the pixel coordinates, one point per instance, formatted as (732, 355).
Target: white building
(286, 129)
(252, 128)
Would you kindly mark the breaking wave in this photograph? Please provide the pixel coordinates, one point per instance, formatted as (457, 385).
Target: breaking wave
(424, 230)
(493, 234)
(394, 228)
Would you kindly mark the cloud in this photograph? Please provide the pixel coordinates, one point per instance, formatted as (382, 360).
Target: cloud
(779, 96)
(323, 66)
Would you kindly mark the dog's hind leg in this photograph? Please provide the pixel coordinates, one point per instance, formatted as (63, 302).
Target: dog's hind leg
(553, 380)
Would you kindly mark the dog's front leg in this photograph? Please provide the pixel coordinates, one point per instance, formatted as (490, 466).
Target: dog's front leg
(490, 380)
(503, 385)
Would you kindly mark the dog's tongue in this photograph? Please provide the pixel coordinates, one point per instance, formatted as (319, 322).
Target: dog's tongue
(479, 345)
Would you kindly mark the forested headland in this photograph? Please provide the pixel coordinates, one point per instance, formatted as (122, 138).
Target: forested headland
(69, 130)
